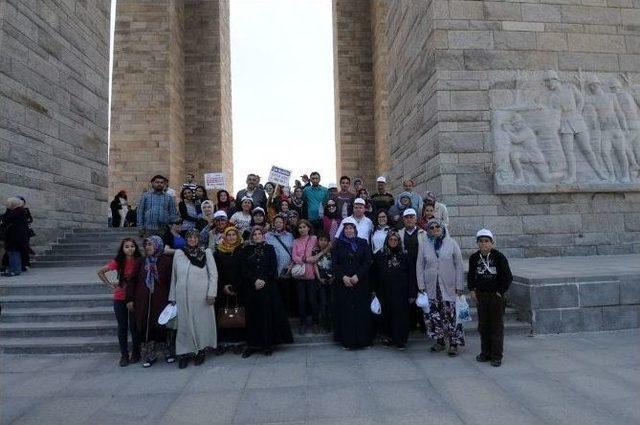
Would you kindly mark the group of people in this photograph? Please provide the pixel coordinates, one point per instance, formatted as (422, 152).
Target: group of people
(16, 231)
(235, 269)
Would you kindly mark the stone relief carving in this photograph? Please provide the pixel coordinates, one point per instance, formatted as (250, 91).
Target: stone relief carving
(574, 135)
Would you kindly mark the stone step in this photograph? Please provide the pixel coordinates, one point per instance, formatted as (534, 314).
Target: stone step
(107, 230)
(58, 329)
(11, 302)
(55, 288)
(75, 251)
(95, 238)
(66, 314)
(41, 263)
(108, 343)
(103, 257)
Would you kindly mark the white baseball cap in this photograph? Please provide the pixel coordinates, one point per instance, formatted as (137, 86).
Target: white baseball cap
(359, 201)
(484, 233)
(381, 179)
(220, 214)
(169, 312)
(409, 211)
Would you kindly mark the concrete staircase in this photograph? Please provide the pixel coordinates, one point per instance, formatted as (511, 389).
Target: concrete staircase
(66, 310)
(85, 247)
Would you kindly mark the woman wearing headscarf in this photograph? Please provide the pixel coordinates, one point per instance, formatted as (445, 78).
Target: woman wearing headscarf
(440, 272)
(147, 296)
(242, 219)
(396, 211)
(194, 286)
(16, 238)
(428, 212)
(225, 202)
(391, 267)
(439, 209)
(282, 241)
(331, 219)
(227, 256)
(351, 262)
(205, 218)
(267, 323)
(119, 208)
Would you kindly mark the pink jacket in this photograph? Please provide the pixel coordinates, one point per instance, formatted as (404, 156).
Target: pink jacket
(303, 247)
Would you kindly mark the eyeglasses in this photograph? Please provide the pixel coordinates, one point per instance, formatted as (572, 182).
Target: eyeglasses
(331, 206)
(435, 226)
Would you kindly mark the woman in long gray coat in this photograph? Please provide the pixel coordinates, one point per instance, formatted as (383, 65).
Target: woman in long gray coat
(440, 272)
(194, 285)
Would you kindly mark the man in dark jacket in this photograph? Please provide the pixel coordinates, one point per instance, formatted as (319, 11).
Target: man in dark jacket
(254, 191)
(488, 279)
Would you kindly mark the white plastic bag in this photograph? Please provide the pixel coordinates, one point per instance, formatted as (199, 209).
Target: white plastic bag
(422, 301)
(462, 310)
(376, 308)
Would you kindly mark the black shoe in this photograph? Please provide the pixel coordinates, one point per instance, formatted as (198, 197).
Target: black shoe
(247, 353)
(124, 361)
(496, 363)
(482, 358)
(268, 351)
(135, 357)
(183, 362)
(199, 359)
(149, 362)
(453, 351)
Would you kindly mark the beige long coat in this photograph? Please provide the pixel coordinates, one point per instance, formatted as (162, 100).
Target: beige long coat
(190, 286)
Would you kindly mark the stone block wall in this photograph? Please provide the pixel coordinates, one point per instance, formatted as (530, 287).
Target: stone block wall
(452, 63)
(171, 99)
(354, 98)
(54, 85)
(147, 112)
(208, 136)
(380, 51)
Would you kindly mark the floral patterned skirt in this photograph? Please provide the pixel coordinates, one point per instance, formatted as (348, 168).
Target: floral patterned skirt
(441, 321)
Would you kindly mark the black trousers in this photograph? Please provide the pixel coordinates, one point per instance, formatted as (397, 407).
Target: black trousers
(126, 322)
(307, 296)
(491, 308)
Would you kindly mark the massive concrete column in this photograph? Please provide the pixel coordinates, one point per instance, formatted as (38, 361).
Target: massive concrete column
(207, 96)
(147, 103)
(171, 102)
(54, 82)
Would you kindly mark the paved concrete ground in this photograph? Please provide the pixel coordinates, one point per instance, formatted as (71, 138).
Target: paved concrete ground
(561, 379)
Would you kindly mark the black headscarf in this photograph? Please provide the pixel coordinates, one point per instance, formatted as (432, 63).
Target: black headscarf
(196, 255)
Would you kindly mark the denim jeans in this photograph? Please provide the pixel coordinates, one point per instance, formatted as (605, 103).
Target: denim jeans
(126, 322)
(15, 262)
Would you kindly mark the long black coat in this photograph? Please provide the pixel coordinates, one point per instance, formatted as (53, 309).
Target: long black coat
(228, 265)
(352, 304)
(267, 323)
(17, 229)
(392, 284)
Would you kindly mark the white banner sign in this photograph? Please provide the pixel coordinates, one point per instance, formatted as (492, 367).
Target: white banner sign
(214, 181)
(279, 176)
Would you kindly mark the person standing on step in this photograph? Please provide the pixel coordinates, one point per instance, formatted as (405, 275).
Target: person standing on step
(266, 320)
(305, 283)
(16, 236)
(440, 273)
(147, 296)
(194, 286)
(156, 208)
(253, 191)
(127, 264)
(412, 237)
(382, 200)
(488, 280)
(119, 209)
(315, 195)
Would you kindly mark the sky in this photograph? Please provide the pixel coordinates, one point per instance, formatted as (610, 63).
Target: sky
(282, 87)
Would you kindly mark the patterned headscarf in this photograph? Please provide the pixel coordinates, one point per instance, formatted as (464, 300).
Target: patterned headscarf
(195, 254)
(150, 262)
(227, 248)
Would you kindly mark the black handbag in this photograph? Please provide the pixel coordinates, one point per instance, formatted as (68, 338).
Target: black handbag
(231, 317)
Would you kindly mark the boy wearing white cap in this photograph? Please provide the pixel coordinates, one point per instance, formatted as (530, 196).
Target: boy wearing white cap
(364, 225)
(488, 279)
(382, 200)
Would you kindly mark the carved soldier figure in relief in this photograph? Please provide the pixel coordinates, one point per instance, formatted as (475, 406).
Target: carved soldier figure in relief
(631, 110)
(568, 102)
(612, 123)
(524, 149)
